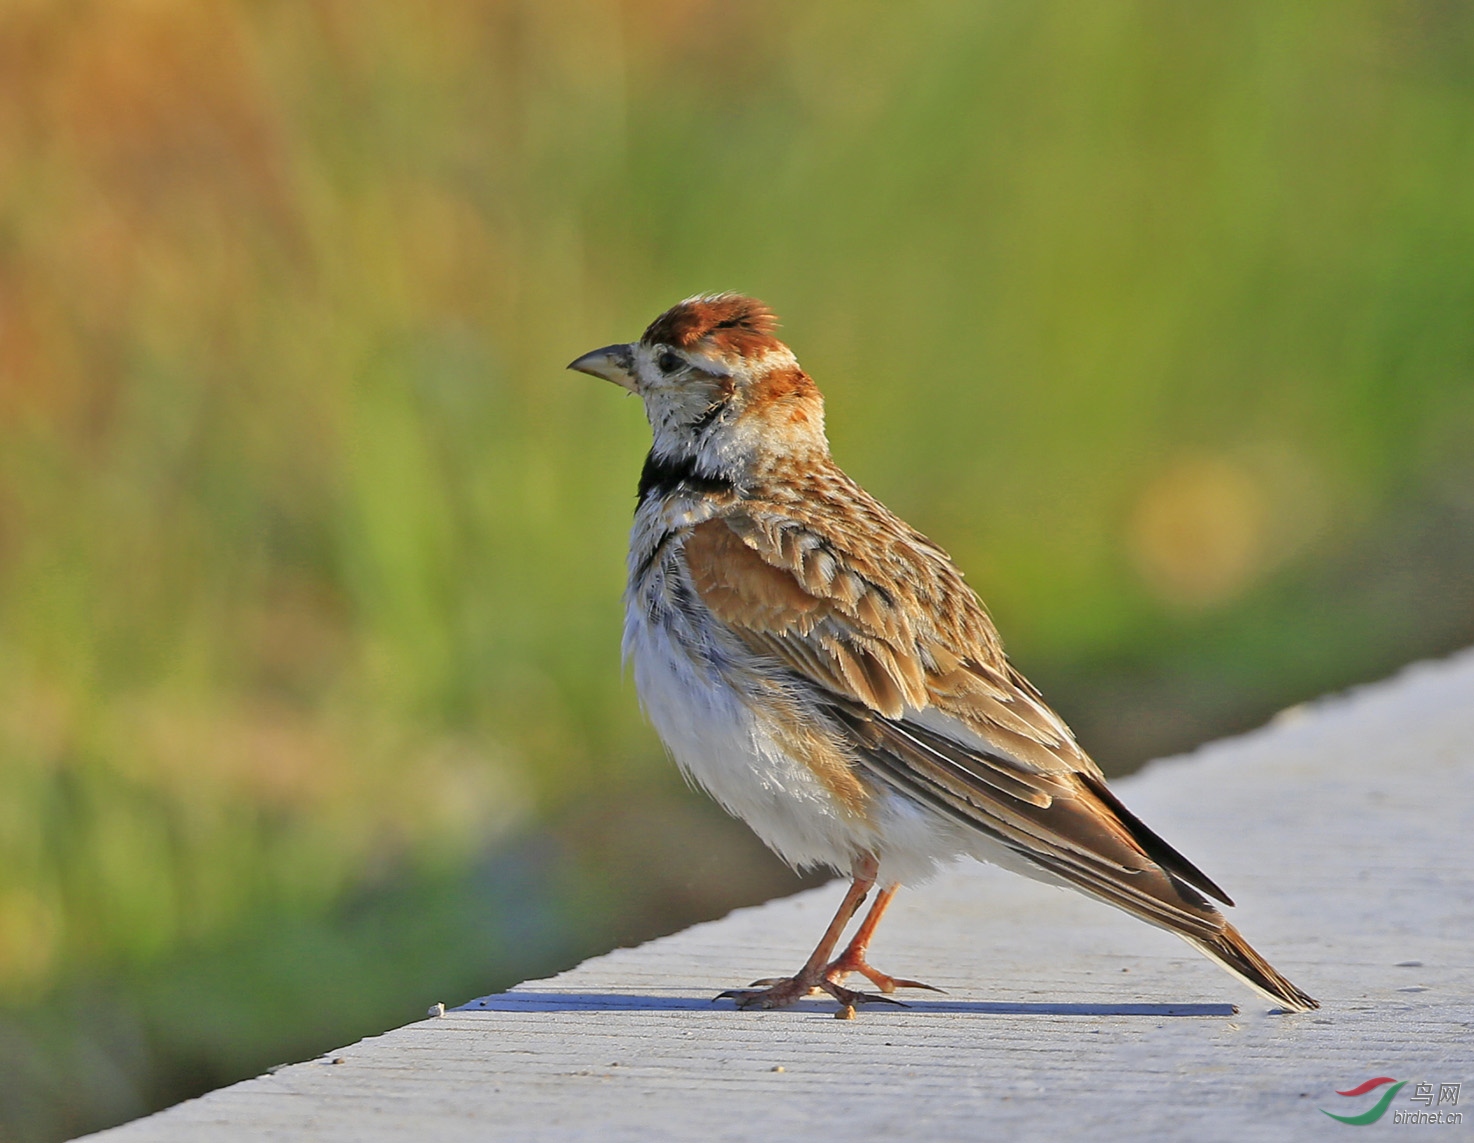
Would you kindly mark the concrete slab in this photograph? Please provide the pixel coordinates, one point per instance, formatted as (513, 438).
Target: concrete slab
(1345, 831)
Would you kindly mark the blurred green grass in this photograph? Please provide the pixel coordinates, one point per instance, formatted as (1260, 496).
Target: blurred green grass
(1155, 315)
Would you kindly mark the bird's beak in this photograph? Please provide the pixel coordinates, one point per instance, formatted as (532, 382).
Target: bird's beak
(613, 363)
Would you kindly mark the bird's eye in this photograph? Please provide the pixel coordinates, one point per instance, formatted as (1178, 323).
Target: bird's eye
(669, 362)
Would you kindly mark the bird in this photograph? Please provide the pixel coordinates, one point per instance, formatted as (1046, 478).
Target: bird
(823, 670)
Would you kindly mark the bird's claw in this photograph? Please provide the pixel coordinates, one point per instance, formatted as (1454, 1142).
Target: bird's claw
(779, 992)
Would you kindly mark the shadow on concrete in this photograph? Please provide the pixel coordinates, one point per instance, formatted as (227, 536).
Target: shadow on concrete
(648, 1002)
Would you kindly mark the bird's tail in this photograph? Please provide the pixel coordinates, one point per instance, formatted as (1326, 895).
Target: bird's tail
(1229, 950)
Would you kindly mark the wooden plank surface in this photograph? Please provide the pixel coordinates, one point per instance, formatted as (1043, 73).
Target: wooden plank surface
(1345, 831)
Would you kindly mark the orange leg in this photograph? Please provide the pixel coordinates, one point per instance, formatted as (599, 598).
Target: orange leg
(815, 976)
(853, 957)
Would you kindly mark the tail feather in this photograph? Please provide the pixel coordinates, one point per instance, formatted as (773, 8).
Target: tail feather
(1230, 951)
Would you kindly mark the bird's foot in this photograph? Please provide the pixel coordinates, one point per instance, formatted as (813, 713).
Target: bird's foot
(849, 962)
(779, 992)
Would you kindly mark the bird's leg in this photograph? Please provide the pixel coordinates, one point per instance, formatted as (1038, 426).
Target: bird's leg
(853, 957)
(814, 976)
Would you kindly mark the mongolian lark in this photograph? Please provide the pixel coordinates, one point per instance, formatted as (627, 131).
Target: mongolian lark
(822, 669)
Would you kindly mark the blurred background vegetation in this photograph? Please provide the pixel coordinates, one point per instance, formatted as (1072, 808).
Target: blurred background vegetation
(1159, 316)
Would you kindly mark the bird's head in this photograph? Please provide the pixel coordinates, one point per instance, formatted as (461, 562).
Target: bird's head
(718, 387)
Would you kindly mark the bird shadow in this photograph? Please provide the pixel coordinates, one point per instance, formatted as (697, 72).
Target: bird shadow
(647, 1002)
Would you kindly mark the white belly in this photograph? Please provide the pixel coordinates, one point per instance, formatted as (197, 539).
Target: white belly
(724, 748)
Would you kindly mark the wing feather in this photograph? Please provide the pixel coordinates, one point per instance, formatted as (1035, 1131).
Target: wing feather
(864, 634)
(1064, 838)
(785, 590)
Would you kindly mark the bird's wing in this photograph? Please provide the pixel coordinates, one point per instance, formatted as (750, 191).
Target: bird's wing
(906, 660)
(881, 617)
